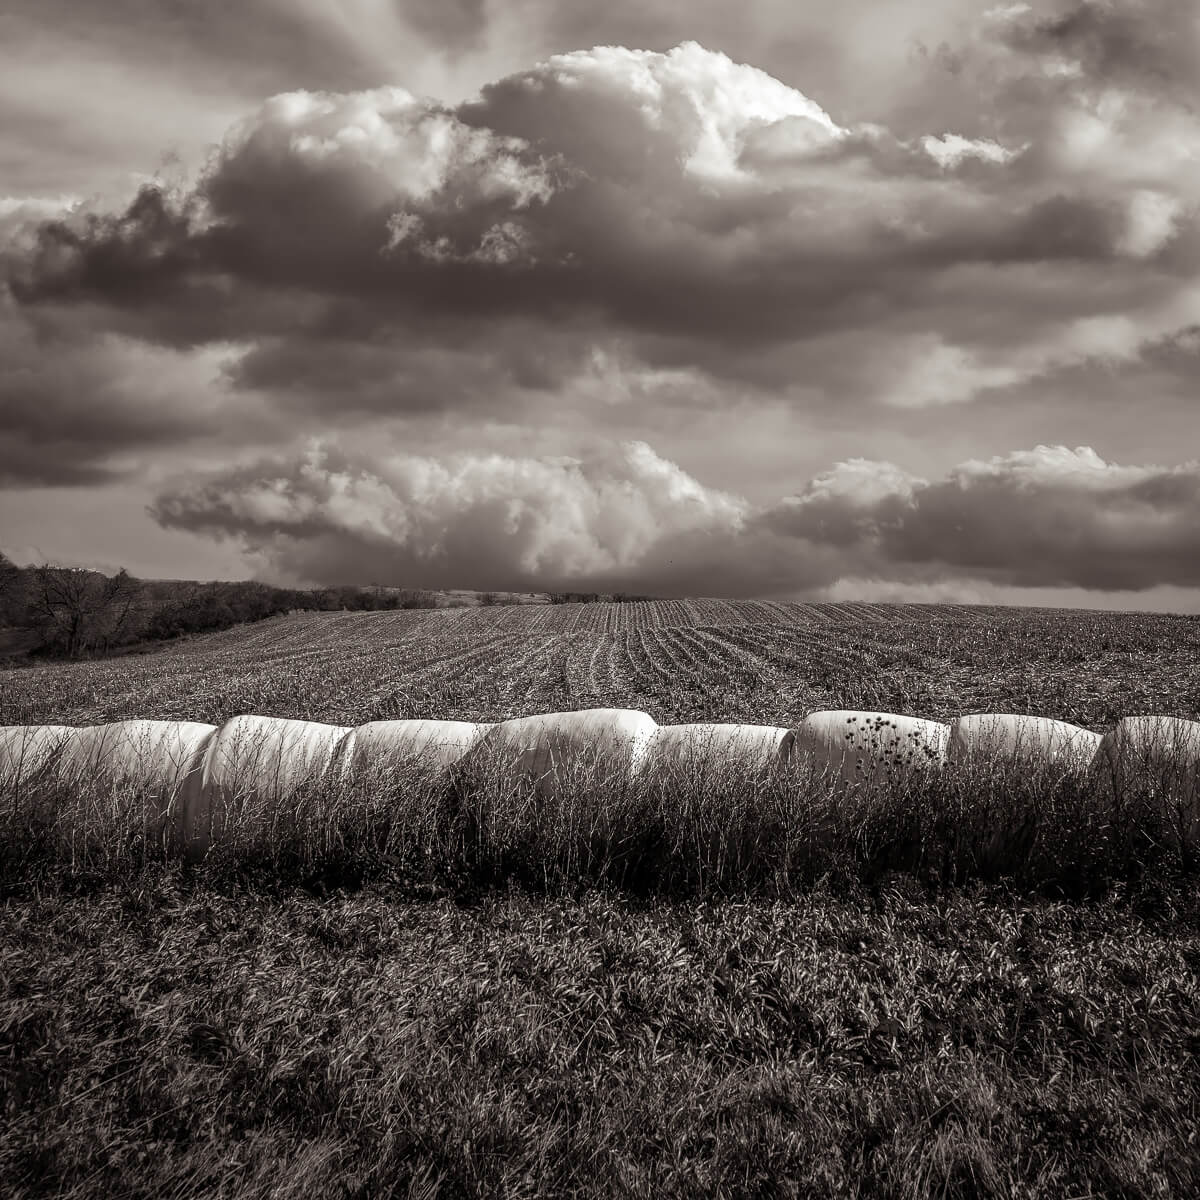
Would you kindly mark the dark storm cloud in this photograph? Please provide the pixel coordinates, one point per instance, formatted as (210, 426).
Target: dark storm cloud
(135, 258)
(420, 369)
(84, 410)
(1155, 45)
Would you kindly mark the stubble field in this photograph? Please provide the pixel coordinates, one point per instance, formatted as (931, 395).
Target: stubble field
(224, 1030)
(683, 660)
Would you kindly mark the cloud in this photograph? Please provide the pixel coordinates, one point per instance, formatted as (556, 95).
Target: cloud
(83, 409)
(952, 149)
(675, 193)
(319, 193)
(1152, 220)
(628, 114)
(21, 215)
(458, 24)
(626, 518)
(854, 502)
(658, 240)
(1153, 45)
(466, 520)
(1047, 517)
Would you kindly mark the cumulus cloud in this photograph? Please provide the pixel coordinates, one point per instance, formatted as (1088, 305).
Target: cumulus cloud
(314, 192)
(853, 502)
(951, 149)
(466, 520)
(625, 114)
(1045, 517)
(627, 518)
(677, 193)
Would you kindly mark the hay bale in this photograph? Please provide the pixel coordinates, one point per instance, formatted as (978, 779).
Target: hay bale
(152, 754)
(26, 751)
(750, 750)
(254, 764)
(981, 736)
(867, 748)
(1150, 753)
(433, 744)
(555, 745)
(144, 763)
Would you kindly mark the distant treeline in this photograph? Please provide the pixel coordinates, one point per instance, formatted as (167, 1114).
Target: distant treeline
(76, 613)
(594, 597)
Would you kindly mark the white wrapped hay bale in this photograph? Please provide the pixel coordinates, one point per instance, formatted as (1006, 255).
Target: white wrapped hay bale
(707, 748)
(870, 747)
(254, 764)
(142, 763)
(982, 736)
(436, 745)
(152, 754)
(1154, 754)
(553, 745)
(28, 750)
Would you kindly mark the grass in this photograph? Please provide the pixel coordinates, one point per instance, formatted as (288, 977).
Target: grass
(709, 829)
(980, 983)
(699, 984)
(164, 1036)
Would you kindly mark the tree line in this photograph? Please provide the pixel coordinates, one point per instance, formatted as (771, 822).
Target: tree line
(77, 613)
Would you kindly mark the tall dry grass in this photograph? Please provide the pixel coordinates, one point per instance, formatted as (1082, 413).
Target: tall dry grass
(707, 828)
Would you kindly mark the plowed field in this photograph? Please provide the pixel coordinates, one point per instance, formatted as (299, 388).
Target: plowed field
(680, 660)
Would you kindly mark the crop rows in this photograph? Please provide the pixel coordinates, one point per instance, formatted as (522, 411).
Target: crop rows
(678, 660)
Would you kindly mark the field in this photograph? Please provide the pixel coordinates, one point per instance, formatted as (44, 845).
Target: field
(839, 1026)
(687, 660)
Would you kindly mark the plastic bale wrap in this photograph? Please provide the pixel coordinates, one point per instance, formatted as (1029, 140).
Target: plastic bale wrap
(1147, 769)
(550, 794)
(433, 745)
(700, 748)
(147, 764)
(1036, 740)
(869, 748)
(28, 751)
(552, 746)
(252, 771)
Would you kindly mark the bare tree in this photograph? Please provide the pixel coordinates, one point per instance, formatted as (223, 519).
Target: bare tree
(79, 611)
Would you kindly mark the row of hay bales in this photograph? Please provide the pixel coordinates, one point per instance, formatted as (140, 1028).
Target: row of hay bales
(192, 772)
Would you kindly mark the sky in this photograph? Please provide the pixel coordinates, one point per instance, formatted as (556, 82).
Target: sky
(855, 301)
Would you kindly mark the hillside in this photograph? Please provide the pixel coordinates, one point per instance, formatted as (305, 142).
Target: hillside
(679, 660)
(71, 613)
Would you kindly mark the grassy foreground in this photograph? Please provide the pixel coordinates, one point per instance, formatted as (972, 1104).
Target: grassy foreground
(700, 987)
(169, 1034)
